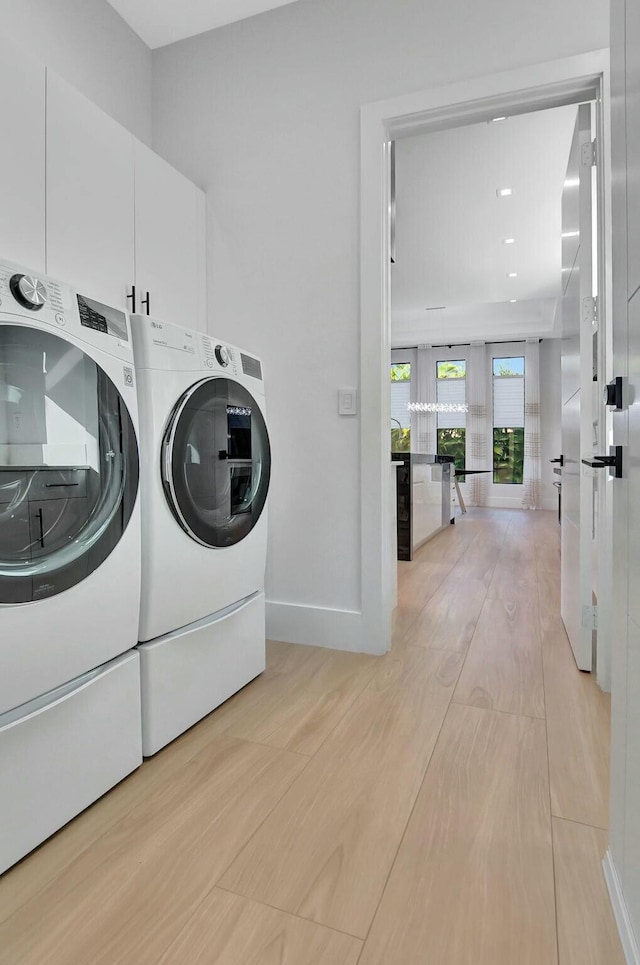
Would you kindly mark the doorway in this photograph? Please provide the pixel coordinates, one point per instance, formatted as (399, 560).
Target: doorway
(554, 84)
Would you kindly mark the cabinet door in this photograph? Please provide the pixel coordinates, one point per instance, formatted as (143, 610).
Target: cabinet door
(22, 176)
(170, 247)
(90, 206)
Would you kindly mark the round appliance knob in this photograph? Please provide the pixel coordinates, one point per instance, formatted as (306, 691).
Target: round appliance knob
(223, 355)
(28, 291)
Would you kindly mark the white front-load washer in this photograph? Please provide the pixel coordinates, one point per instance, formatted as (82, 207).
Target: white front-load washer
(205, 469)
(69, 556)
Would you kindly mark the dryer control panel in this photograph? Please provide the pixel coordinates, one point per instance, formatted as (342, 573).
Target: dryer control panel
(228, 358)
(165, 347)
(217, 355)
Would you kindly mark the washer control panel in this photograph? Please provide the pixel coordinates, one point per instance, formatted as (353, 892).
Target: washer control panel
(23, 293)
(223, 355)
(28, 291)
(29, 296)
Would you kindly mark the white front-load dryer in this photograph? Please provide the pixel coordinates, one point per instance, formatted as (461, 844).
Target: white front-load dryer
(69, 556)
(205, 471)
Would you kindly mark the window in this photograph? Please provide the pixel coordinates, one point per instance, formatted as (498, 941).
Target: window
(451, 388)
(508, 420)
(400, 415)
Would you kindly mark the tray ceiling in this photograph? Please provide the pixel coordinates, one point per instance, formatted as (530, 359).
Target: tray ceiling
(455, 277)
(161, 22)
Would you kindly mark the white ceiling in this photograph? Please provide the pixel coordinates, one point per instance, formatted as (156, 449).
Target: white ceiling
(451, 227)
(490, 321)
(160, 22)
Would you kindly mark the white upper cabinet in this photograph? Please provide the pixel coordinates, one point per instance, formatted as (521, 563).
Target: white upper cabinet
(83, 200)
(22, 173)
(170, 242)
(90, 196)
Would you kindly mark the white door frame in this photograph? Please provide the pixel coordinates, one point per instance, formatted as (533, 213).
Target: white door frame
(537, 87)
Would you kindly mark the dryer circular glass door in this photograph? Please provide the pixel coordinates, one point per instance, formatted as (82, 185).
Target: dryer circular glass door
(68, 465)
(216, 462)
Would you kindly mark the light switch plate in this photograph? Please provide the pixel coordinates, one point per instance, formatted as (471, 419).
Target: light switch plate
(347, 401)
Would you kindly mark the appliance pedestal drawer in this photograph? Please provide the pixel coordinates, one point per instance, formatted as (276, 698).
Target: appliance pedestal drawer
(60, 752)
(188, 673)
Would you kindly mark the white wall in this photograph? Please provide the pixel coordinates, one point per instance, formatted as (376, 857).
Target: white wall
(264, 114)
(88, 43)
(550, 414)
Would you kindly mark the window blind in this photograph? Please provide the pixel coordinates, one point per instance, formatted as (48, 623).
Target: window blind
(508, 402)
(400, 398)
(452, 391)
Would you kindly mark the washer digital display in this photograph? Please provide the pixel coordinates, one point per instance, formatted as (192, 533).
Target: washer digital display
(102, 318)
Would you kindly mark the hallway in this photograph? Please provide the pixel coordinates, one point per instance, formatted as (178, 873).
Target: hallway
(443, 805)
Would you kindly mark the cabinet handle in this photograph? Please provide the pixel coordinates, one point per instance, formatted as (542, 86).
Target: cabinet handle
(39, 515)
(132, 299)
(147, 301)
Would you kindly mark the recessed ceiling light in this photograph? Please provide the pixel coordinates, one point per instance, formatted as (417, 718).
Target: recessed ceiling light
(570, 234)
(513, 300)
(571, 182)
(508, 241)
(512, 274)
(504, 192)
(494, 120)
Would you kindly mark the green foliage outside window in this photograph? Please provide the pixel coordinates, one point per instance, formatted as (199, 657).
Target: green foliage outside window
(401, 372)
(508, 456)
(452, 442)
(508, 366)
(452, 370)
(400, 440)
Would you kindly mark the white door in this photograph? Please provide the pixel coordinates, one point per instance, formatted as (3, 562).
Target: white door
(625, 707)
(170, 250)
(577, 393)
(22, 158)
(90, 204)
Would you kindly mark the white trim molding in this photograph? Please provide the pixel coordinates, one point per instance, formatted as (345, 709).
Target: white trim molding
(620, 911)
(536, 87)
(316, 626)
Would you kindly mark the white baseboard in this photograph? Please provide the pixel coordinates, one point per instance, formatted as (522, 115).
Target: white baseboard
(623, 921)
(503, 502)
(316, 626)
(515, 502)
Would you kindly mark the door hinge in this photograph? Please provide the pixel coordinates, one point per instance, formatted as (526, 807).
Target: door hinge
(590, 617)
(589, 154)
(590, 310)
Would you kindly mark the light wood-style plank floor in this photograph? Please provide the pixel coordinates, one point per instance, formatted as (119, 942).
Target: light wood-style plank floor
(445, 804)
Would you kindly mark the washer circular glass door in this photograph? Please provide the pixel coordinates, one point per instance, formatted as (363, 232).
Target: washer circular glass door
(68, 465)
(216, 462)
